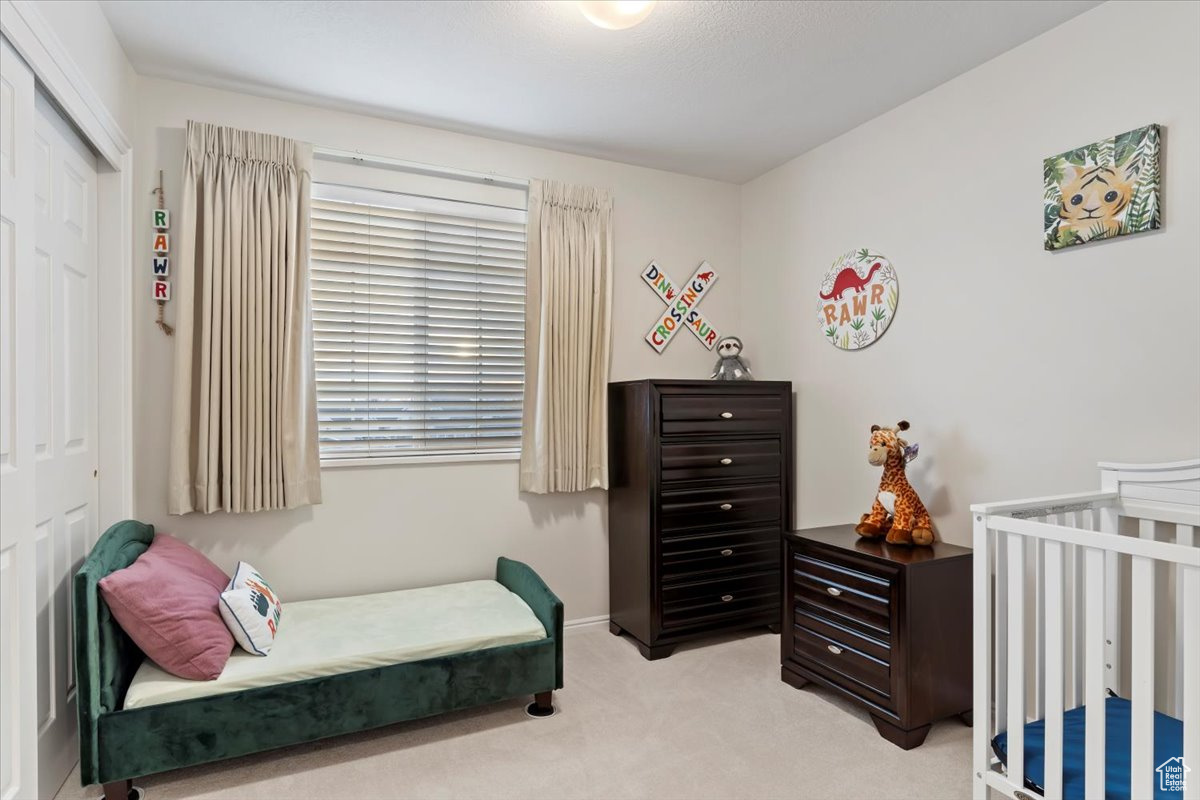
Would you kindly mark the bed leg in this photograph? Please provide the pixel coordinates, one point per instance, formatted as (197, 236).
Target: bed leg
(119, 790)
(542, 705)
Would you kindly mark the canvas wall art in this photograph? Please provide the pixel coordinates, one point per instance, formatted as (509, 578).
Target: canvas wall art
(1106, 189)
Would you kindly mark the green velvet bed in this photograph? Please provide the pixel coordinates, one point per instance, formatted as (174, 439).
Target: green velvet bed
(118, 745)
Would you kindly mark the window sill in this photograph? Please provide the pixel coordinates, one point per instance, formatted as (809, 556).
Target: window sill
(402, 461)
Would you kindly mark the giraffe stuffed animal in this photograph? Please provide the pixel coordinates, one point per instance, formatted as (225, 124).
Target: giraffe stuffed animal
(897, 512)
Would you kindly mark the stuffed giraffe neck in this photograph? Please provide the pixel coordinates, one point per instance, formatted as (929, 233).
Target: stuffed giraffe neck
(897, 511)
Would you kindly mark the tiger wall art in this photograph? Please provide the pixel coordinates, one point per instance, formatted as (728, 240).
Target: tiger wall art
(1106, 189)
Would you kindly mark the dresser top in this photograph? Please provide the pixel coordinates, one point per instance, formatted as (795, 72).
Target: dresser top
(706, 382)
(843, 537)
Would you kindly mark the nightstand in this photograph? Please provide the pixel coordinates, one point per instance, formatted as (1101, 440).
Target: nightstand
(885, 626)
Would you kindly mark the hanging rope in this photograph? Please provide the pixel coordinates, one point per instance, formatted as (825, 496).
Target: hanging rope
(161, 322)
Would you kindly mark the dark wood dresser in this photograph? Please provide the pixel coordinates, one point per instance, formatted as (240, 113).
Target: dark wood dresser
(699, 495)
(886, 626)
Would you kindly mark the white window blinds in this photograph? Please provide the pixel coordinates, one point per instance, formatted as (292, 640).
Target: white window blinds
(419, 324)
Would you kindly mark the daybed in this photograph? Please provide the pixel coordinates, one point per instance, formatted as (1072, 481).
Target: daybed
(247, 710)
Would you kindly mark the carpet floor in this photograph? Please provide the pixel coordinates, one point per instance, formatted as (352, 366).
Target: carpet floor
(711, 721)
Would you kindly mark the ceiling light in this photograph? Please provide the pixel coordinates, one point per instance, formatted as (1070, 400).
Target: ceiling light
(615, 15)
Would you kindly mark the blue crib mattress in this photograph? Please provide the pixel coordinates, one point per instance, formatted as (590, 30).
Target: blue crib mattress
(1168, 744)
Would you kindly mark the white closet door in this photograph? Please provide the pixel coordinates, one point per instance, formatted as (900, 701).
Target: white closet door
(64, 425)
(18, 664)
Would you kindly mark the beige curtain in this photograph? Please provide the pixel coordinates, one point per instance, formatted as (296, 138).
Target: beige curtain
(244, 428)
(568, 332)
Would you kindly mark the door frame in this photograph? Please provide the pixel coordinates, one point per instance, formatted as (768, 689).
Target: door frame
(62, 79)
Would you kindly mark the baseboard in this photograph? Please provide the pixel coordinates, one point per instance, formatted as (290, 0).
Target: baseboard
(583, 621)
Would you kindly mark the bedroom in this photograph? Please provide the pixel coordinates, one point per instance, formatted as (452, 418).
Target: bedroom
(765, 140)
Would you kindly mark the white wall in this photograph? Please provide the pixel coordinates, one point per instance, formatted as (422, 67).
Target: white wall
(86, 35)
(390, 527)
(1019, 369)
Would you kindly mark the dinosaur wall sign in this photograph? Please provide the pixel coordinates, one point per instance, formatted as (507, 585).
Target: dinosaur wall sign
(681, 304)
(857, 299)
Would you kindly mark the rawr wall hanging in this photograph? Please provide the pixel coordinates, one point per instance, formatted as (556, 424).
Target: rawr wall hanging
(682, 302)
(1106, 189)
(160, 219)
(857, 299)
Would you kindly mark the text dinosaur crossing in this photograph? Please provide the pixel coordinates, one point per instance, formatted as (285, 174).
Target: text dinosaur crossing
(681, 306)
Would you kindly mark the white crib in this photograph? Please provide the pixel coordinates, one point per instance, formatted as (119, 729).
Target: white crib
(1058, 582)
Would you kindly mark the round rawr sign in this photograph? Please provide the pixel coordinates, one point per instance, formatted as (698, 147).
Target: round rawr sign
(858, 299)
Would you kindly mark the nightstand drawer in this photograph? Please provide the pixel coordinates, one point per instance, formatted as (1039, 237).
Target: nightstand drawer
(876, 647)
(753, 458)
(826, 575)
(743, 550)
(842, 594)
(842, 657)
(691, 603)
(722, 413)
(873, 614)
(726, 506)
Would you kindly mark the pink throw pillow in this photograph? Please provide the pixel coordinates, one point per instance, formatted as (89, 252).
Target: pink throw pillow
(167, 601)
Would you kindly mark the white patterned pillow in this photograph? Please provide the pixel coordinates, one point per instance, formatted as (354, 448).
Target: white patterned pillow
(251, 610)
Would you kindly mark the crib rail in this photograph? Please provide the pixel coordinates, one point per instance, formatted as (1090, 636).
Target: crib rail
(1054, 578)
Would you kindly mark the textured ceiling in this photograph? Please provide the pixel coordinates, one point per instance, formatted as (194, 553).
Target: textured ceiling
(724, 90)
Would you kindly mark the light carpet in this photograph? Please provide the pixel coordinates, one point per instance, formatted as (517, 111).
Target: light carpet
(712, 721)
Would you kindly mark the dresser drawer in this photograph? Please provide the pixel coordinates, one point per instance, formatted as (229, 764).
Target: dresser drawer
(753, 458)
(841, 656)
(718, 413)
(744, 550)
(727, 506)
(687, 604)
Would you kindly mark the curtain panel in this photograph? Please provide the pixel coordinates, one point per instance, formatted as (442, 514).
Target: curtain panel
(568, 332)
(244, 426)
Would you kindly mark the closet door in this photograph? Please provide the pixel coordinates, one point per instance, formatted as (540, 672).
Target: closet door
(18, 664)
(64, 423)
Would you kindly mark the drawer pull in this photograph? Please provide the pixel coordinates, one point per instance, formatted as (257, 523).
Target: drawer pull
(726, 552)
(726, 506)
(725, 598)
(833, 648)
(833, 591)
(726, 461)
(727, 414)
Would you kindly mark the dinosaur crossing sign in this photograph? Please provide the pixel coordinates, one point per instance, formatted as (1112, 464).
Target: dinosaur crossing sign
(681, 306)
(857, 299)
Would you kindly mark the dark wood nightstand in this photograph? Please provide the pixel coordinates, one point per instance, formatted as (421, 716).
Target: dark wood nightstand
(886, 626)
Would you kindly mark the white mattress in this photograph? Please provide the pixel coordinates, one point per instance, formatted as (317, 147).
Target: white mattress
(326, 637)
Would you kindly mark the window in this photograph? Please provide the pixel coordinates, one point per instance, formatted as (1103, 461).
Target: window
(419, 324)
